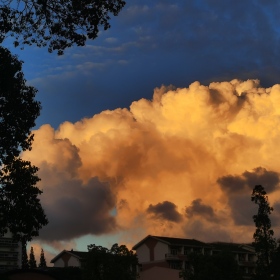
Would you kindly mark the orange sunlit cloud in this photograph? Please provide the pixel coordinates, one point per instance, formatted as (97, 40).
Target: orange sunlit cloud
(182, 164)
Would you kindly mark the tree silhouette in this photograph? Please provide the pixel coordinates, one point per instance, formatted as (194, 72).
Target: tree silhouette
(58, 24)
(117, 263)
(19, 109)
(24, 258)
(32, 260)
(264, 242)
(42, 263)
(20, 206)
(220, 266)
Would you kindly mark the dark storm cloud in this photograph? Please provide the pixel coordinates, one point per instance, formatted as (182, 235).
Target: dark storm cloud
(197, 208)
(239, 189)
(75, 209)
(275, 215)
(165, 210)
(260, 176)
(231, 183)
(248, 180)
(242, 209)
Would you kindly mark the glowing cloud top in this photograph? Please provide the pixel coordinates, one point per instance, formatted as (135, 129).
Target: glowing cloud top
(182, 164)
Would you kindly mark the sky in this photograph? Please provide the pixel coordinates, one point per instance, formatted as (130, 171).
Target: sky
(163, 125)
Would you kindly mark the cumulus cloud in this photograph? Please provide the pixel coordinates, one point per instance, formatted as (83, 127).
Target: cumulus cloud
(248, 180)
(275, 217)
(236, 186)
(197, 208)
(82, 209)
(165, 210)
(198, 150)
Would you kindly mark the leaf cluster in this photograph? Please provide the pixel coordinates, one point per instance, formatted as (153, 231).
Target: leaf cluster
(43, 263)
(20, 208)
(264, 242)
(24, 257)
(275, 260)
(212, 267)
(117, 263)
(32, 261)
(19, 109)
(56, 23)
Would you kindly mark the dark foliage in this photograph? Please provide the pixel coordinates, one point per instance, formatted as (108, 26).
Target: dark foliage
(275, 261)
(65, 273)
(23, 213)
(24, 258)
(264, 243)
(20, 206)
(32, 261)
(212, 267)
(56, 23)
(118, 263)
(18, 108)
(42, 263)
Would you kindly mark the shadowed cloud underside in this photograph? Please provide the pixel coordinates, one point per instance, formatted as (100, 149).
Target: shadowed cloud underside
(182, 164)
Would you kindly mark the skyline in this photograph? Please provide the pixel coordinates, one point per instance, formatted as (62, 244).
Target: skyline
(171, 108)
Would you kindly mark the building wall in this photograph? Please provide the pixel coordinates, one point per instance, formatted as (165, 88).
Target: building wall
(160, 250)
(10, 252)
(156, 257)
(74, 262)
(149, 265)
(151, 250)
(59, 263)
(159, 273)
(67, 260)
(152, 253)
(143, 253)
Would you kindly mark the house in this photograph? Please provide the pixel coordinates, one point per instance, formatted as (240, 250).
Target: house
(69, 258)
(172, 254)
(167, 252)
(10, 252)
(244, 255)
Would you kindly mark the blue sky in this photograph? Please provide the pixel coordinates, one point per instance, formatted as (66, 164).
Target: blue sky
(152, 43)
(161, 162)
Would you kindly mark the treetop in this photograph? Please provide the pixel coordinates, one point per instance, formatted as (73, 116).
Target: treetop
(58, 24)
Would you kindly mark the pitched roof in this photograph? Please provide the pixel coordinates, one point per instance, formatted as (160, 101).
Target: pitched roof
(182, 241)
(80, 254)
(233, 247)
(172, 241)
(216, 246)
(77, 254)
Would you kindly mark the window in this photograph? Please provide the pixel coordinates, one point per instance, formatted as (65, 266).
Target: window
(187, 265)
(175, 265)
(187, 251)
(197, 250)
(241, 257)
(174, 251)
(3, 255)
(207, 252)
(250, 258)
